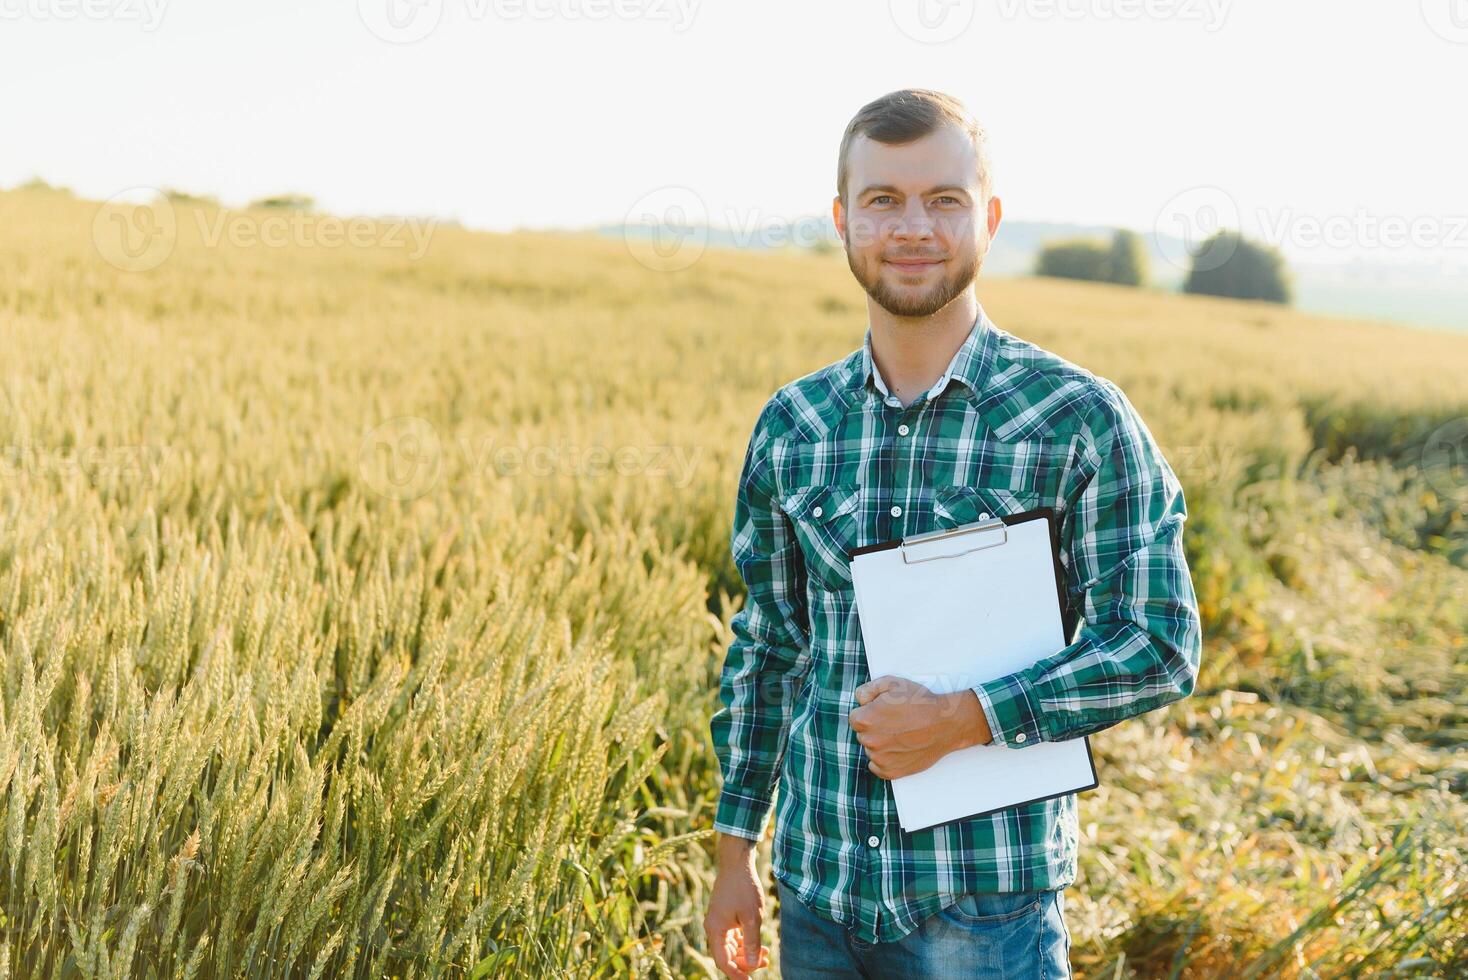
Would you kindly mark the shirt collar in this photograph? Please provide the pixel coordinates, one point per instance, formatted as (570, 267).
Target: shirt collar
(970, 364)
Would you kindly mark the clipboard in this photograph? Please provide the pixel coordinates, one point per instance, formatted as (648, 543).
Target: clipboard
(957, 607)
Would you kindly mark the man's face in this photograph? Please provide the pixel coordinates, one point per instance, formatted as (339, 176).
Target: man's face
(916, 228)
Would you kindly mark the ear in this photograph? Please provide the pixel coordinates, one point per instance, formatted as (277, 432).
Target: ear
(838, 216)
(996, 214)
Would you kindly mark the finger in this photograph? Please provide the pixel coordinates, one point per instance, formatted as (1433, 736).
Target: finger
(868, 691)
(716, 950)
(764, 958)
(723, 948)
(749, 924)
(857, 720)
(749, 950)
(750, 959)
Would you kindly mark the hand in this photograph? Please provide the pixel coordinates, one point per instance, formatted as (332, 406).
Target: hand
(905, 727)
(736, 910)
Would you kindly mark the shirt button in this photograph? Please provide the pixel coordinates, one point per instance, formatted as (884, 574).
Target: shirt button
(873, 841)
(896, 511)
(902, 430)
(983, 517)
(1020, 737)
(818, 512)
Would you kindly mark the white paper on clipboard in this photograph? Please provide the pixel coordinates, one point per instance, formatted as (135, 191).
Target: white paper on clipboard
(955, 609)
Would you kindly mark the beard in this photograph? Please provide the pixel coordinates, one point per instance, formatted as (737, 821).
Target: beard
(906, 302)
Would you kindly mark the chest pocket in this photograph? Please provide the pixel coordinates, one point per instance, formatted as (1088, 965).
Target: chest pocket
(955, 506)
(827, 524)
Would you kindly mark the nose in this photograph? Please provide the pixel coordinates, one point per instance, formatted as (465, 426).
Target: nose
(915, 224)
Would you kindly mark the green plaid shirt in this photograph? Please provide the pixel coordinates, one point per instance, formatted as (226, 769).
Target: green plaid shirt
(836, 462)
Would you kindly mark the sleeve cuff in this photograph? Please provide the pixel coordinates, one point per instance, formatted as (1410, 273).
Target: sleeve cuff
(1010, 710)
(740, 815)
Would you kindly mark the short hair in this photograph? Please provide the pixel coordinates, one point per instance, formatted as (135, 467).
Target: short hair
(910, 114)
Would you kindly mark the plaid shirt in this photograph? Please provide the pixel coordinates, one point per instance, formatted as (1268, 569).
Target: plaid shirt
(836, 462)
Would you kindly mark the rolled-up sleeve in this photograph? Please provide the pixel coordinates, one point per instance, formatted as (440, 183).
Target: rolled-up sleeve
(1141, 644)
(770, 650)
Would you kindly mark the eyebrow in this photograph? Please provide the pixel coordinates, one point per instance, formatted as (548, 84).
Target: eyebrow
(889, 189)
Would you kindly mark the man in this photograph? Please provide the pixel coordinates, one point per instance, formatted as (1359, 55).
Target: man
(941, 419)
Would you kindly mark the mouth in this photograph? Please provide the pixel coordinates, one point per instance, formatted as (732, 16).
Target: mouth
(915, 265)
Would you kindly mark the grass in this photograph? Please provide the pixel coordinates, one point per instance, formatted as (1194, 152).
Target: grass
(360, 614)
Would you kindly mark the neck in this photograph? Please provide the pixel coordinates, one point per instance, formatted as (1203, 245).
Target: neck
(912, 352)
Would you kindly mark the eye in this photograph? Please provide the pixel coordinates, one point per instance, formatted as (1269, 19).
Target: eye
(947, 197)
(880, 197)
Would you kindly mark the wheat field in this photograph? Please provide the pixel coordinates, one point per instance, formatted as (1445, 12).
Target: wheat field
(361, 607)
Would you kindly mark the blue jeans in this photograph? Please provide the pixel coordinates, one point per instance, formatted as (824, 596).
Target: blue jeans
(1000, 935)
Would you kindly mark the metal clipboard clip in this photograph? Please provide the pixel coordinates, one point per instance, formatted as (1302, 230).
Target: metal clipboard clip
(996, 523)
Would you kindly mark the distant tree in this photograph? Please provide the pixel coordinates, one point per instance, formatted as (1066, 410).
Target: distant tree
(1077, 258)
(825, 246)
(290, 202)
(1121, 262)
(176, 196)
(36, 183)
(1126, 262)
(1228, 264)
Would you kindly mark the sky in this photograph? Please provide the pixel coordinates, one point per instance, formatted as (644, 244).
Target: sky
(1342, 117)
